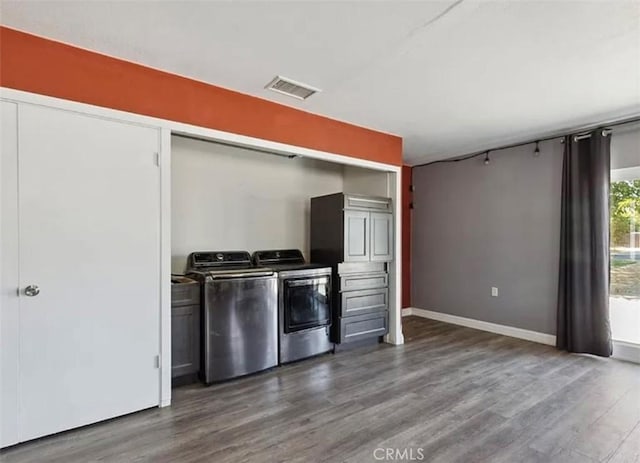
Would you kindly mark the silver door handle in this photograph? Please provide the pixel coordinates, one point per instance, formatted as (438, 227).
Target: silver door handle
(314, 281)
(31, 290)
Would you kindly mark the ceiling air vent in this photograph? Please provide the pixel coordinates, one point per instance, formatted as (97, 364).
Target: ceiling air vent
(291, 88)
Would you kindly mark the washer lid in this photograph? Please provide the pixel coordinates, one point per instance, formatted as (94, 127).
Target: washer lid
(216, 274)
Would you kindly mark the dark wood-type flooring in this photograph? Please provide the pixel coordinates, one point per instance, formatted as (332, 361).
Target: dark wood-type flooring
(451, 394)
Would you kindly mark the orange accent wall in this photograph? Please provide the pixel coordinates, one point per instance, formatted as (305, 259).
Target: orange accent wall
(38, 65)
(407, 198)
(46, 67)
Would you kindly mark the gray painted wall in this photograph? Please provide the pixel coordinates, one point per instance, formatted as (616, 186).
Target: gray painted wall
(224, 197)
(477, 226)
(625, 147)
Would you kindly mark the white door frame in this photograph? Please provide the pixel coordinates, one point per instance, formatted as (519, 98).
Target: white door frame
(624, 350)
(168, 128)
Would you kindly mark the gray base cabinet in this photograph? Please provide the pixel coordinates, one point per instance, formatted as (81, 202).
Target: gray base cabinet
(365, 326)
(363, 301)
(185, 330)
(354, 235)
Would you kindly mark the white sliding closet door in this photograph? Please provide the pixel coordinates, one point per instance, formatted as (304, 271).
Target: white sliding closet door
(9, 310)
(89, 239)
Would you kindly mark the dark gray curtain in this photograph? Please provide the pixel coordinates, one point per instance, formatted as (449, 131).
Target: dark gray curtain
(583, 296)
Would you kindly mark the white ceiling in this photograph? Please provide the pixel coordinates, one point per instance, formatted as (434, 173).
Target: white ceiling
(450, 77)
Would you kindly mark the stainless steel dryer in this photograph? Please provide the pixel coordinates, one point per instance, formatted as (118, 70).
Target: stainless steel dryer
(304, 303)
(239, 313)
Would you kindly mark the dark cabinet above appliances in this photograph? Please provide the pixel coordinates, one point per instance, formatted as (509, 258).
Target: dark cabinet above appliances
(368, 236)
(361, 228)
(354, 235)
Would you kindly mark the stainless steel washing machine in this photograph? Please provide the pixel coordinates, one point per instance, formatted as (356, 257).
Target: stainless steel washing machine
(239, 313)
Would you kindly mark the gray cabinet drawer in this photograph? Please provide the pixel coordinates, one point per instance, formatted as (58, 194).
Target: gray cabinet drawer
(186, 292)
(364, 281)
(364, 301)
(370, 203)
(363, 327)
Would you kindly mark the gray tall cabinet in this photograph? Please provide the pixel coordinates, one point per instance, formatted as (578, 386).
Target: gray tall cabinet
(354, 234)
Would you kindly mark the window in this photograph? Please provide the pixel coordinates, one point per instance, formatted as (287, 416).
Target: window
(625, 257)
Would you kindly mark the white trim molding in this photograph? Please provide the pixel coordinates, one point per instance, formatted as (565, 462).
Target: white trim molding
(511, 331)
(407, 311)
(395, 336)
(194, 131)
(165, 266)
(626, 351)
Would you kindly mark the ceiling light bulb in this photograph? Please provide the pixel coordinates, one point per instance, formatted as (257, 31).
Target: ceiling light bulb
(486, 159)
(536, 152)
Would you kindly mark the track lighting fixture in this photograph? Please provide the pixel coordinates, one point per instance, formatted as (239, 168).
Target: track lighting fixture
(536, 152)
(486, 159)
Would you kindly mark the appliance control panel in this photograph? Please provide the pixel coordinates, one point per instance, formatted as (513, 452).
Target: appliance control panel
(219, 259)
(278, 256)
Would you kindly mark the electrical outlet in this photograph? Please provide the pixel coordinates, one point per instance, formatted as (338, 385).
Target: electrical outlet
(494, 291)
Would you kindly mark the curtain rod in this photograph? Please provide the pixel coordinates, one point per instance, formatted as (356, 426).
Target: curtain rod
(582, 134)
(248, 148)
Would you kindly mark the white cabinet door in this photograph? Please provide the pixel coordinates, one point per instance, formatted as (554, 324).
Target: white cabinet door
(9, 310)
(89, 217)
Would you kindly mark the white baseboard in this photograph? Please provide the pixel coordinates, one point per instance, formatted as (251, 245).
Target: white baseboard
(626, 351)
(511, 331)
(621, 350)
